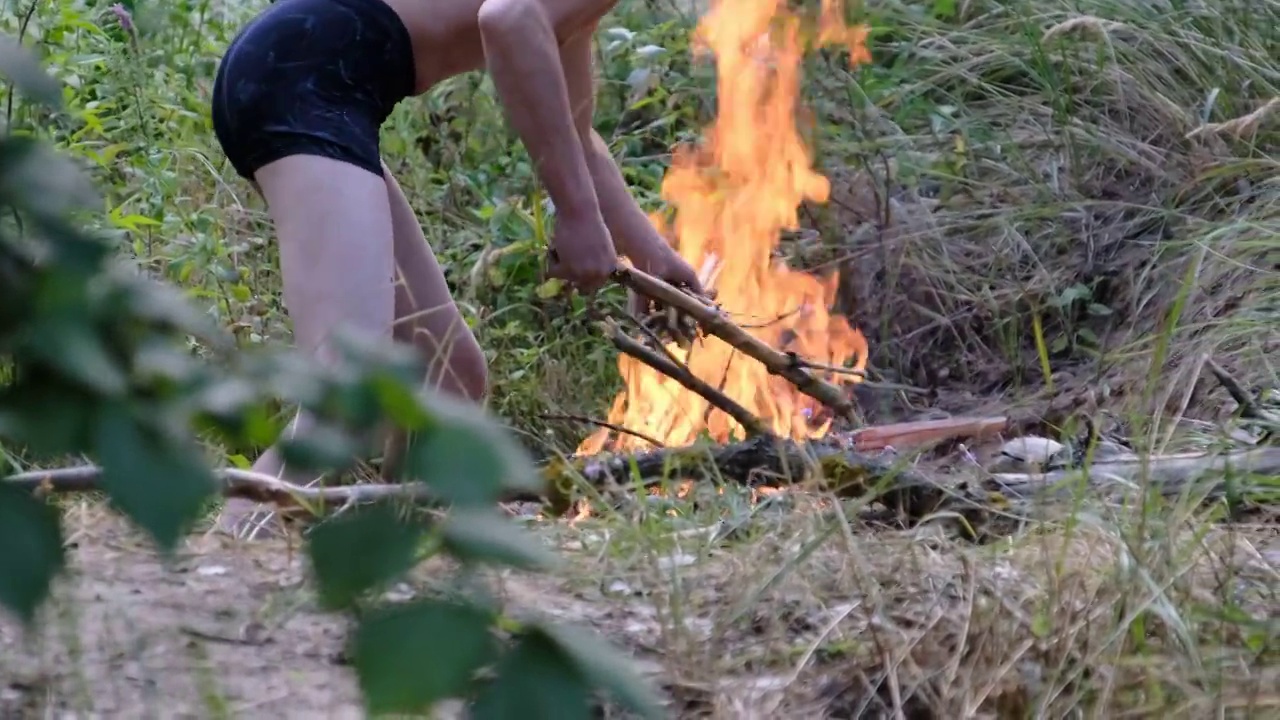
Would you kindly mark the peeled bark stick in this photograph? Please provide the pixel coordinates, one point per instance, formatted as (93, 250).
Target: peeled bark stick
(764, 460)
(714, 322)
(923, 432)
(681, 374)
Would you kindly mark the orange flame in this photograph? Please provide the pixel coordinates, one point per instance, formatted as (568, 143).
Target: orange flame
(734, 195)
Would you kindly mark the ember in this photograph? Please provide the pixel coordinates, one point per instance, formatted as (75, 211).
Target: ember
(733, 196)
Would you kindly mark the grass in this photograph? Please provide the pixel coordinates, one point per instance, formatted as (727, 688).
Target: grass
(1064, 205)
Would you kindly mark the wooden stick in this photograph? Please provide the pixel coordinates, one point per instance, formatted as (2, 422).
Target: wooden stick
(751, 424)
(768, 460)
(236, 483)
(1170, 473)
(763, 460)
(604, 424)
(1248, 405)
(715, 323)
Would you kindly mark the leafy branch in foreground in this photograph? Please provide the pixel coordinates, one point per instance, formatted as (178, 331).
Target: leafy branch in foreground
(101, 365)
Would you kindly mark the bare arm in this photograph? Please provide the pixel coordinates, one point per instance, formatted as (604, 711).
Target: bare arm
(523, 58)
(627, 223)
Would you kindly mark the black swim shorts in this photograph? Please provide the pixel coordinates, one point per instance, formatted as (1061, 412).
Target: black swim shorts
(312, 77)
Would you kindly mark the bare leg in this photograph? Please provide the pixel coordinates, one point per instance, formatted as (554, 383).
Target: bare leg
(426, 314)
(334, 225)
(428, 317)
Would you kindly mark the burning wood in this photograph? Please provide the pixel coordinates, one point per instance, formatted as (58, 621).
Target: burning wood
(786, 365)
(734, 194)
(711, 320)
(673, 368)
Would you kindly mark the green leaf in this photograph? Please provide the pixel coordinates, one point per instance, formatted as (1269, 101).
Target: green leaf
(550, 288)
(484, 536)
(31, 535)
(48, 185)
(168, 307)
(465, 457)
(535, 681)
(606, 668)
(22, 68)
(400, 401)
(350, 401)
(359, 550)
(157, 480)
(411, 656)
(50, 417)
(74, 348)
(321, 448)
(1041, 625)
(459, 463)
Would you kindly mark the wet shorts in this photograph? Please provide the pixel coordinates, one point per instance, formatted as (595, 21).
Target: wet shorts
(312, 77)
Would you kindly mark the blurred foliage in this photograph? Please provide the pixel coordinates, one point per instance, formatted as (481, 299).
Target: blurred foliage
(101, 362)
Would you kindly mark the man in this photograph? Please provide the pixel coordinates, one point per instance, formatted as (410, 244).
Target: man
(297, 106)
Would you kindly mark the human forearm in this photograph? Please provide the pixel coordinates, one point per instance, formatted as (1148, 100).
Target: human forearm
(523, 59)
(627, 223)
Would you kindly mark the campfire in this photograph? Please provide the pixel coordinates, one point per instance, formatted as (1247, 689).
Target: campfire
(734, 194)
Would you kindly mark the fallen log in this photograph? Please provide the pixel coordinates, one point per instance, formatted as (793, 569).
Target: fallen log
(764, 461)
(761, 461)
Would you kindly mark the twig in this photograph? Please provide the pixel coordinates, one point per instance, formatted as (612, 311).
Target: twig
(653, 338)
(714, 322)
(919, 433)
(604, 424)
(681, 374)
(836, 369)
(1248, 408)
(1248, 405)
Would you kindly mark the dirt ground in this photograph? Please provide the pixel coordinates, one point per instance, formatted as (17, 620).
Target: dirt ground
(222, 630)
(796, 618)
(226, 629)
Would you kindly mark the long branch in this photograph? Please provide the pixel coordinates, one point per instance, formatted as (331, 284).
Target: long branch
(762, 460)
(683, 375)
(715, 323)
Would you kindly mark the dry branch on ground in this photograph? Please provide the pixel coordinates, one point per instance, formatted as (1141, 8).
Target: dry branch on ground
(912, 493)
(1171, 474)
